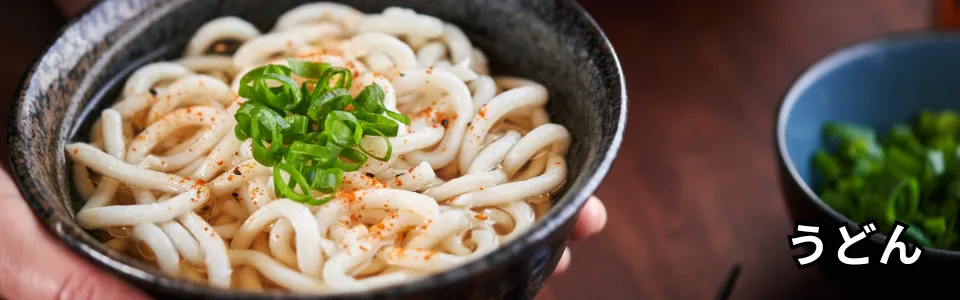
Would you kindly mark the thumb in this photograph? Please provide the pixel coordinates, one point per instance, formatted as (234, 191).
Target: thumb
(39, 267)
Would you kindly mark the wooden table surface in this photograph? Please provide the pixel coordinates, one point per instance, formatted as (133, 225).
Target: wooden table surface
(694, 189)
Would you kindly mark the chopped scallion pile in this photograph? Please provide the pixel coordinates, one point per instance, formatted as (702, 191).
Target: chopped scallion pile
(911, 175)
(311, 131)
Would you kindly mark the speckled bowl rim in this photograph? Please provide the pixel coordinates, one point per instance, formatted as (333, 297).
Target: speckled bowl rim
(828, 63)
(57, 223)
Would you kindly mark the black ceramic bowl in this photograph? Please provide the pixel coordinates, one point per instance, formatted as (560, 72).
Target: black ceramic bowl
(877, 83)
(552, 41)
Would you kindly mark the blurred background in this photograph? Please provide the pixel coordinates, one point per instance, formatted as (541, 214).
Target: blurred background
(694, 190)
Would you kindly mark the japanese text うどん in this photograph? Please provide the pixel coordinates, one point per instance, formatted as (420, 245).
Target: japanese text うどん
(810, 235)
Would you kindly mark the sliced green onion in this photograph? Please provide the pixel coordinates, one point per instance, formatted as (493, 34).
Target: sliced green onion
(303, 131)
(307, 69)
(910, 175)
(344, 81)
(334, 100)
(370, 99)
(399, 117)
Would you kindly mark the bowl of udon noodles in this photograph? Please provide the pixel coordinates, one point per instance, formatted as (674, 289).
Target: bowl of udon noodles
(292, 150)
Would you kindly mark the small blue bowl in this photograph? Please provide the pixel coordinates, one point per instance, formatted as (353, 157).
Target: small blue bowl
(877, 83)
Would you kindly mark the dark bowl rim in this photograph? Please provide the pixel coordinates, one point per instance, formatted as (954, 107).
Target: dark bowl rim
(826, 64)
(560, 214)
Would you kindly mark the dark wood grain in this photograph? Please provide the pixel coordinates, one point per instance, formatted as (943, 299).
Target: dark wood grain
(25, 29)
(693, 191)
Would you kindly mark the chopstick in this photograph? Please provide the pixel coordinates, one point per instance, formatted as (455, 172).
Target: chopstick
(730, 282)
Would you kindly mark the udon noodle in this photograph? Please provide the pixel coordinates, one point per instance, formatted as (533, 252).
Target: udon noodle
(166, 180)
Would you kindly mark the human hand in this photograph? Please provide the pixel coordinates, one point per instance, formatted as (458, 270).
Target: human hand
(593, 217)
(36, 266)
(58, 273)
(45, 269)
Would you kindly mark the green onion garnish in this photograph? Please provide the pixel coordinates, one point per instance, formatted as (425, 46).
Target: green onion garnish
(911, 175)
(306, 130)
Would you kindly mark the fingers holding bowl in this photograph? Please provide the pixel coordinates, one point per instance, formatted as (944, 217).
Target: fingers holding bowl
(593, 218)
(564, 262)
(43, 268)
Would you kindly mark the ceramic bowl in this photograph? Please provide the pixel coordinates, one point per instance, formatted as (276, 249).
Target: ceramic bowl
(554, 42)
(877, 83)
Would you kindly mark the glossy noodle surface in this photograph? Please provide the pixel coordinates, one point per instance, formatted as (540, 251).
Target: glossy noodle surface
(168, 179)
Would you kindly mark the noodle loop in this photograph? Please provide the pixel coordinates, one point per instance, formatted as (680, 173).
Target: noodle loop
(366, 150)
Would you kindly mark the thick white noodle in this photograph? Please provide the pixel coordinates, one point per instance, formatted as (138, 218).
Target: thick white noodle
(275, 271)
(423, 135)
(468, 173)
(534, 168)
(395, 199)
(486, 241)
(219, 29)
(133, 104)
(81, 180)
(458, 97)
(192, 90)
(232, 208)
(167, 257)
(246, 150)
(539, 138)
(229, 181)
(374, 42)
(227, 231)
(327, 215)
(466, 183)
(430, 54)
(420, 260)
(454, 244)
(461, 69)
(380, 62)
(402, 21)
(209, 64)
(484, 89)
(103, 195)
(344, 15)
(186, 245)
(361, 246)
(417, 178)
(516, 191)
(281, 242)
(219, 271)
(523, 218)
(258, 194)
(457, 41)
(217, 123)
(304, 224)
(429, 235)
(479, 62)
(316, 33)
(493, 111)
(213, 163)
(261, 49)
(114, 144)
(129, 215)
(112, 167)
(493, 154)
(146, 77)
